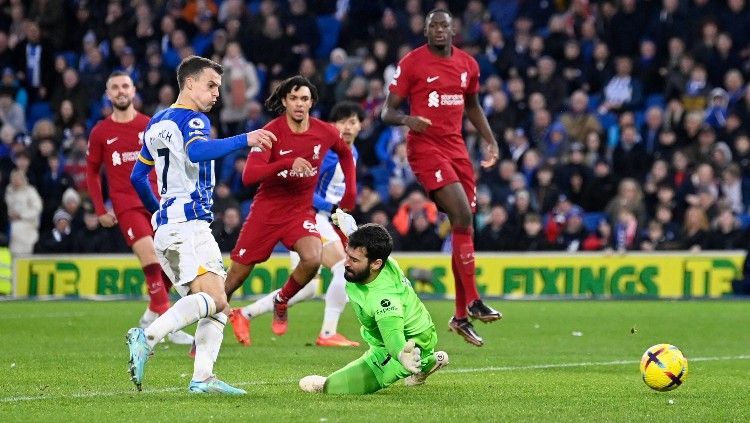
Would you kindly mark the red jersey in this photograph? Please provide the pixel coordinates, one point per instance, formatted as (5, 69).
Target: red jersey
(116, 145)
(435, 87)
(282, 191)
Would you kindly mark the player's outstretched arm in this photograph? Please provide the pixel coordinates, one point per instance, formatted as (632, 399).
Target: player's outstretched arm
(139, 179)
(476, 116)
(201, 149)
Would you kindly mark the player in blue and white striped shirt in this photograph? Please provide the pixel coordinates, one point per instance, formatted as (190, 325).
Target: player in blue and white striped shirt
(177, 142)
(348, 117)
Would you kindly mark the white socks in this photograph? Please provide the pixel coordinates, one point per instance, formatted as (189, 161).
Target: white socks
(265, 304)
(335, 301)
(208, 337)
(185, 311)
(262, 306)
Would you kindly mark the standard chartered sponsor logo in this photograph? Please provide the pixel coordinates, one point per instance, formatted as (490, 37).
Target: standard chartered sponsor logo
(451, 100)
(433, 99)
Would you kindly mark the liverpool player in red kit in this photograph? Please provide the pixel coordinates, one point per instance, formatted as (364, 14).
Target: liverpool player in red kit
(440, 81)
(115, 142)
(282, 209)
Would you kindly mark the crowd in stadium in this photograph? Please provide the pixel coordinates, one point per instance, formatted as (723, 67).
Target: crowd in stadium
(622, 124)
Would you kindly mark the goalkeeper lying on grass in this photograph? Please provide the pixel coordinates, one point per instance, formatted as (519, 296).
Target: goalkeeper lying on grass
(394, 321)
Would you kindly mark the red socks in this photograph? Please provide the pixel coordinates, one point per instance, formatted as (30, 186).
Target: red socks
(290, 288)
(463, 266)
(157, 291)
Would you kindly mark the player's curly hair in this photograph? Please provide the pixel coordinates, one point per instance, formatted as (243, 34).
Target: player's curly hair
(273, 102)
(375, 239)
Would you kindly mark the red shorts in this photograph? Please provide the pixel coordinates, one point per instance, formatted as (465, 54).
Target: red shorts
(258, 237)
(135, 224)
(435, 172)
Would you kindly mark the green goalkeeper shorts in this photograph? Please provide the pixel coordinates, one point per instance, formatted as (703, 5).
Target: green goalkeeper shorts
(376, 369)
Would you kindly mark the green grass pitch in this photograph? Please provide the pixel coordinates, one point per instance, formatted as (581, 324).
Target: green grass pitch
(545, 361)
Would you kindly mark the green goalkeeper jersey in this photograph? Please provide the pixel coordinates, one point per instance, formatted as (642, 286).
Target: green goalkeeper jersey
(388, 309)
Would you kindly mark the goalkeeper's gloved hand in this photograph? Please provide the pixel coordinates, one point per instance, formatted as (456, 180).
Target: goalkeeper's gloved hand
(411, 357)
(344, 221)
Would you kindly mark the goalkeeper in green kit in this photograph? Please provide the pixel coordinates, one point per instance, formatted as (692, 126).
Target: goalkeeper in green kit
(395, 323)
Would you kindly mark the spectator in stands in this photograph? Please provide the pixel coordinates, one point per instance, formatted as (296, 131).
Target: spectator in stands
(227, 230)
(630, 196)
(34, 58)
(694, 230)
(731, 189)
(577, 121)
(92, 238)
(24, 209)
(416, 203)
(367, 201)
(623, 91)
(239, 88)
(71, 89)
(629, 159)
(11, 114)
(531, 237)
(654, 238)
(651, 130)
(548, 83)
(599, 239)
(625, 231)
(545, 192)
(655, 178)
(498, 234)
(725, 232)
(421, 234)
(59, 240)
(380, 216)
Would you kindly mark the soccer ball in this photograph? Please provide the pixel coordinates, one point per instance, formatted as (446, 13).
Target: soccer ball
(663, 367)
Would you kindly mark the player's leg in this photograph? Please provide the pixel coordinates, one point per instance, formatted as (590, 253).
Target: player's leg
(477, 309)
(135, 227)
(309, 249)
(158, 292)
(254, 245)
(333, 257)
(356, 378)
(303, 237)
(362, 376)
(309, 290)
(190, 257)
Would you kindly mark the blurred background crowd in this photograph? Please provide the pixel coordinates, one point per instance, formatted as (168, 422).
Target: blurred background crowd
(622, 124)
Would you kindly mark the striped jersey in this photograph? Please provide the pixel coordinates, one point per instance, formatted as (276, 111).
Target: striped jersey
(186, 188)
(331, 185)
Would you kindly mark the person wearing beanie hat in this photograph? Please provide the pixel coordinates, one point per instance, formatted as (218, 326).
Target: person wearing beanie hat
(59, 240)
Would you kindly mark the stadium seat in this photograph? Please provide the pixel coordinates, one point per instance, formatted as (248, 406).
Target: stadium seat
(329, 28)
(744, 221)
(591, 220)
(38, 110)
(655, 100)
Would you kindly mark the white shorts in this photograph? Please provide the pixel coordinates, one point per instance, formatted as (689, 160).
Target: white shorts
(187, 250)
(325, 228)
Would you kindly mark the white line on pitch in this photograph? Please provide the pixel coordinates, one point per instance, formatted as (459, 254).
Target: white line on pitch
(583, 364)
(459, 370)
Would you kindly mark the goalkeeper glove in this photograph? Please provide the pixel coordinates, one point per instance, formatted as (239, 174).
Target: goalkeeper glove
(344, 221)
(411, 357)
